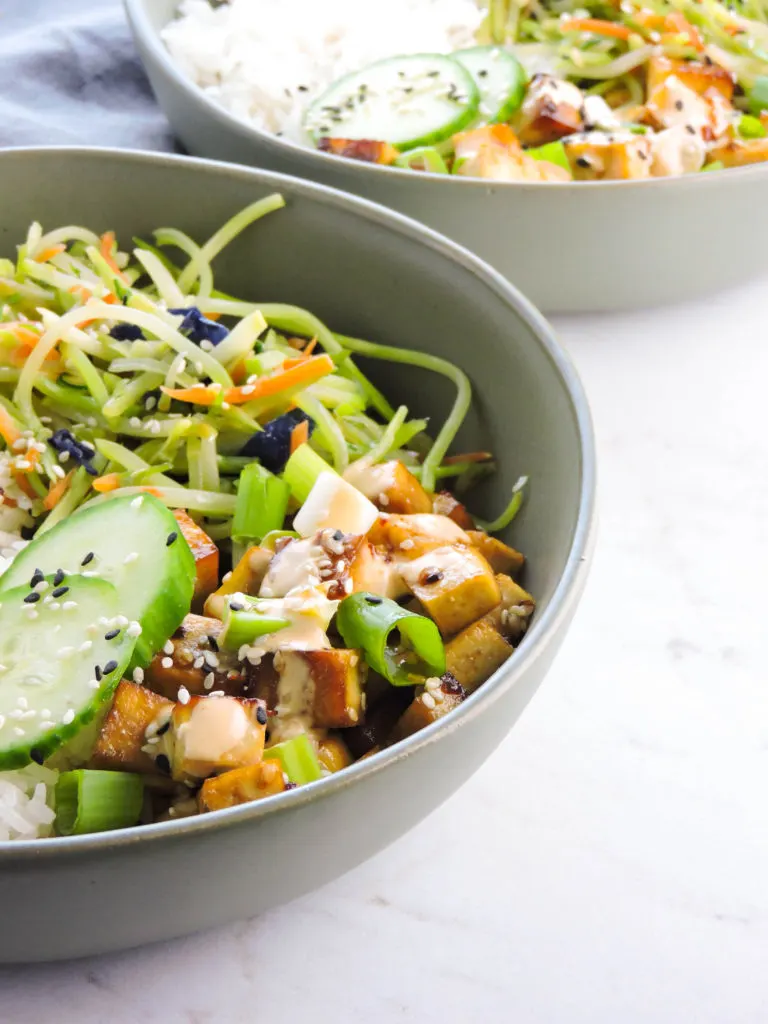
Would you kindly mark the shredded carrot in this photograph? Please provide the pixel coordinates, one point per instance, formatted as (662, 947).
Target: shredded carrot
(108, 245)
(306, 372)
(212, 316)
(469, 457)
(23, 484)
(297, 343)
(5, 500)
(310, 348)
(677, 22)
(109, 482)
(198, 394)
(48, 254)
(57, 491)
(21, 331)
(289, 364)
(597, 26)
(239, 372)
(151, 490)
(9, 432)
(299, 435)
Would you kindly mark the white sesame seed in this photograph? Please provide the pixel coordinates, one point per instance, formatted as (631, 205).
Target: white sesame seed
(89, 573)
(134, 629)
(2, 721)
(247, 389)
(23, 464)
(150, 403)
(348, 586)
(428, 700)
(69, 606)
(120, 620)
(18, 731)
(63, 456)
(29, 714)
(135, 422)
(183, 695)
(45, 713)
(31, 612)
(226, 577)
(15, 714)
(138, 675)
(85, 646)
(168, 647)
(68, 717)
(167, 662)
(198, 662)
(407, 544)
(132, 557)
(209, 681)
(211, 659)
(23, 703)
(57, 471)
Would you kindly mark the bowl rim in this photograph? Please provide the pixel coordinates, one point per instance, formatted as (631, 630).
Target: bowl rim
(314, 160)
(545, 626)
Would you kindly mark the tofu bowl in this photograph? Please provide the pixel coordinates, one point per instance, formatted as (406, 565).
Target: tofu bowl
(118, 608)
(570, 245)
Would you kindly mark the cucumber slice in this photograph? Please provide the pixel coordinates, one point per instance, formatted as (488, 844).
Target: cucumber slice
(500, 77)
(126, 541)
(416, 100)
(49, 651)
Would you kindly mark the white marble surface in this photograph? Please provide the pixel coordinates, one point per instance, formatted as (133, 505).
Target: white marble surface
(609, 865)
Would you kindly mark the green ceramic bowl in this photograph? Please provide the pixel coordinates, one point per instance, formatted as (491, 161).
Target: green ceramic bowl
(374, 274)
(570, 247)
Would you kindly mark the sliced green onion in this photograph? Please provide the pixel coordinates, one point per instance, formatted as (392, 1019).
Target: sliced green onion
(425, 158)
(758, 95)
(262, 503)
(302, 470)
(367, 621)
(510, 511)
(716, 165)
(298, 758)
(750, 127)
(327, 430)
(96, 801)
(246, 622)
(553, 153)
(269, 540)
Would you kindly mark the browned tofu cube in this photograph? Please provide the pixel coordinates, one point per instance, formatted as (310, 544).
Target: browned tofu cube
(370, 151)
(206, 558)
(215, 734)
(332, 753)
(696, 75)
(475, 653)
(195, 662)
(444, 504)
(411, 536)
(740, 152)
(245, 578)
(241, 786)
(551, 109)
(325, 685)
(597, 156)
(390, 486)
(374, 570)
(436, 699)
(123, 732)
(500, 556)
(512, 616)
(454, 584)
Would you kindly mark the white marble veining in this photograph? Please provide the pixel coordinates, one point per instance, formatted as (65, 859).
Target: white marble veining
(609, 864)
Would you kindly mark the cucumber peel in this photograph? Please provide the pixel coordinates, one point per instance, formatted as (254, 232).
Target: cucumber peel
(501, 80)
(126, 541)
(49, 651)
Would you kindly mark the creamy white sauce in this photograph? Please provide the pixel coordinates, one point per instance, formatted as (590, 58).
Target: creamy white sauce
(215, 726)
(295, 697)
(436, 527)
(680, 105)
(309, 612)
(450, 561)
(371, 480)
(676, 151)
(295, 565)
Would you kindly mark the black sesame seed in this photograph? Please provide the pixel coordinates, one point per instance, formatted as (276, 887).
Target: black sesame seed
(32, 598)
(433, 74)
(171, 538)
(642, 155)
(303, 88)
(112, 634)
(97, 673)
(679, 104)
(110, 667)
(291, 785)
(36, 755)
(482, 73)
(338, 535)
(163, 764)
(88, 558)
(373, 600)
(164, 728)
(690, 129)
(59, 591)
(261, 716)
(37, 577)
(59, 577)
(582, 161)
(235, 606)
(431, 576)
(212, 642)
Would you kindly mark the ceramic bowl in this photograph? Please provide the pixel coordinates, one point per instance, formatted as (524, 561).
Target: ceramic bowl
(570, 247)
(374, 274)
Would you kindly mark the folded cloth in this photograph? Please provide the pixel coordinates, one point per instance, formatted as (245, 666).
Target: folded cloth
(70, 75)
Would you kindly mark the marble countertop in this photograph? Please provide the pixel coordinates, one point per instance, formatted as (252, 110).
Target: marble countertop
(612, 854)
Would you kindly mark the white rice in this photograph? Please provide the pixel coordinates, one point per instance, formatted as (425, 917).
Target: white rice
(265, 60)
(26, 810)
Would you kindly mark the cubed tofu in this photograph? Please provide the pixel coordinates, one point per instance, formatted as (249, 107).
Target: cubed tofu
(123, 732)
(334, 504)
(444, 504)
(455, 585)
(493, 152)
(241, 786)
(375, 571)
(552, 108)
(209, 735)
(195, 660)
(323, 688)
(475, 654)
(332, 753)
(601, 156)
(206, 558)
(677, 151)
(434, 701)
(695, 75)
(740, 152)
(245, 578)
(390, 486)
(500, 556)
(512, 616)
(410, 536)
(369, 151)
